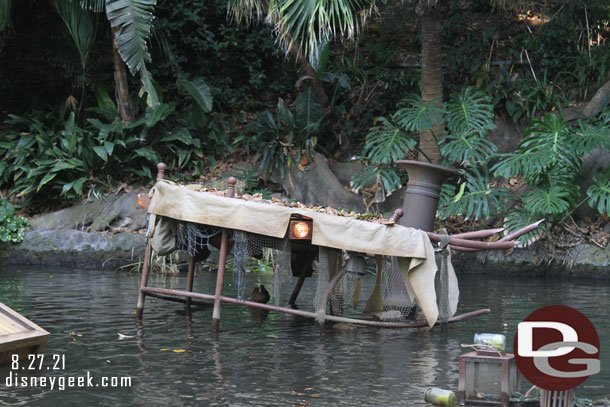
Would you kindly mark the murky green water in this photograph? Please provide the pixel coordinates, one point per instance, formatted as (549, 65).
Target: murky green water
(280, 361)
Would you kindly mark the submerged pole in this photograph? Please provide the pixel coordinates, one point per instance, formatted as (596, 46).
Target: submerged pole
(147, 257)
(189, 282)
(222, 263)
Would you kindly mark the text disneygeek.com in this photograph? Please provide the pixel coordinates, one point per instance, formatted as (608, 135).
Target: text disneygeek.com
(66, 382)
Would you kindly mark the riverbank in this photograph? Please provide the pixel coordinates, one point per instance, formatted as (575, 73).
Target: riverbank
(95, 250)
(108, 233)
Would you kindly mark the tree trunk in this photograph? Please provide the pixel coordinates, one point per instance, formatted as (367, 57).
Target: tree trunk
(121, 88)
(431, 78)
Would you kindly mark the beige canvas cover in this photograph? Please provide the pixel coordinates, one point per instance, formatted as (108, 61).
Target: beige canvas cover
(412, 246)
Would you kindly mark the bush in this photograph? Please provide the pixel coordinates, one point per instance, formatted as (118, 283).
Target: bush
(12, 228)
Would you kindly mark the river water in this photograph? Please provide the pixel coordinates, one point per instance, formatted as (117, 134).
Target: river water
(279, 360)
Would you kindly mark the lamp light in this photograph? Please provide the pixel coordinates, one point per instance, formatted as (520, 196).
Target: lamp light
(300, 229)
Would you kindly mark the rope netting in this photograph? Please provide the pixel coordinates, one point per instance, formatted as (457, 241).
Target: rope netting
(339, 289)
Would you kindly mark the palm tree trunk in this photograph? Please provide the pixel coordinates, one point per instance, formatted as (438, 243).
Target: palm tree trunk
(431, 78)
(121, 88)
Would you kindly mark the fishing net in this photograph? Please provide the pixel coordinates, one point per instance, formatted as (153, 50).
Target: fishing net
(340, 274)
(194, 239)
(271, 254)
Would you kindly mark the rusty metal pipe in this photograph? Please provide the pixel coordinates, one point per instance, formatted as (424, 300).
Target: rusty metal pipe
(477, 234)
(474, 244)
(311, 314)
(521, 232)
(189, 280)
(144, 280)
(220, 278)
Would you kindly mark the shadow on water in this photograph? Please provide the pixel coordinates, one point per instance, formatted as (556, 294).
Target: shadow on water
(259, 358)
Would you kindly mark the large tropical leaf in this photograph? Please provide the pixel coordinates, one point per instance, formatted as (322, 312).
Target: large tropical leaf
(132, 21)
(473, 198)
(308, 112)
(467, 148)
(199, 91)
(546, 201)
(416, 115)
(599, 193)
(387, 143)
(589, 138)
(470, 111)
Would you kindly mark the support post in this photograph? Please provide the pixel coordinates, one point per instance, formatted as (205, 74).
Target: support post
(189, 283)
(143, 281)
(147, 257)
(222, 263)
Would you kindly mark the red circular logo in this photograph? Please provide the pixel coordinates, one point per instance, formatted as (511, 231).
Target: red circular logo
(556, 348)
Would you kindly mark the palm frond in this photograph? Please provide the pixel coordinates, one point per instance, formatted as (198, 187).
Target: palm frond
(386, 143)
(96, 6)
(599, 192)
(308, 112)
(132, 20)
(467, 148)
(5, 14)
(80, 24)
(247, 10)
(416, 115)
(470, 111)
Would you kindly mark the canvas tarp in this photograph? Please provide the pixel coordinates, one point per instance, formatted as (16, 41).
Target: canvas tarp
(411, 246)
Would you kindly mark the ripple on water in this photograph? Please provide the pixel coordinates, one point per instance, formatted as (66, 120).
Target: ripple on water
(278, 361)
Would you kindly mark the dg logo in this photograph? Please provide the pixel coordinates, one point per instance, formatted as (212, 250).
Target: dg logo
(557, 348)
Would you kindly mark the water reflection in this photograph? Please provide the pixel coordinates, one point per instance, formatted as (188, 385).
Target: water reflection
(261, 358)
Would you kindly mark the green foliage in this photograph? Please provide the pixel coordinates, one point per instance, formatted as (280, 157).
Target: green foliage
(280, 140)
(132, 20)
(12, 227)
(42, 159)
(305, 26)
(387, 143)
(475, 198)
(599, 192)
(549, 159)
(469, 116)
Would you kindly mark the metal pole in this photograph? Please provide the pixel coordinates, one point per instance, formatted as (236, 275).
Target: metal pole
(220, 278)
(189, 282)
(222, 263)
(143, 281)
(161, 167)
(312, 314)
